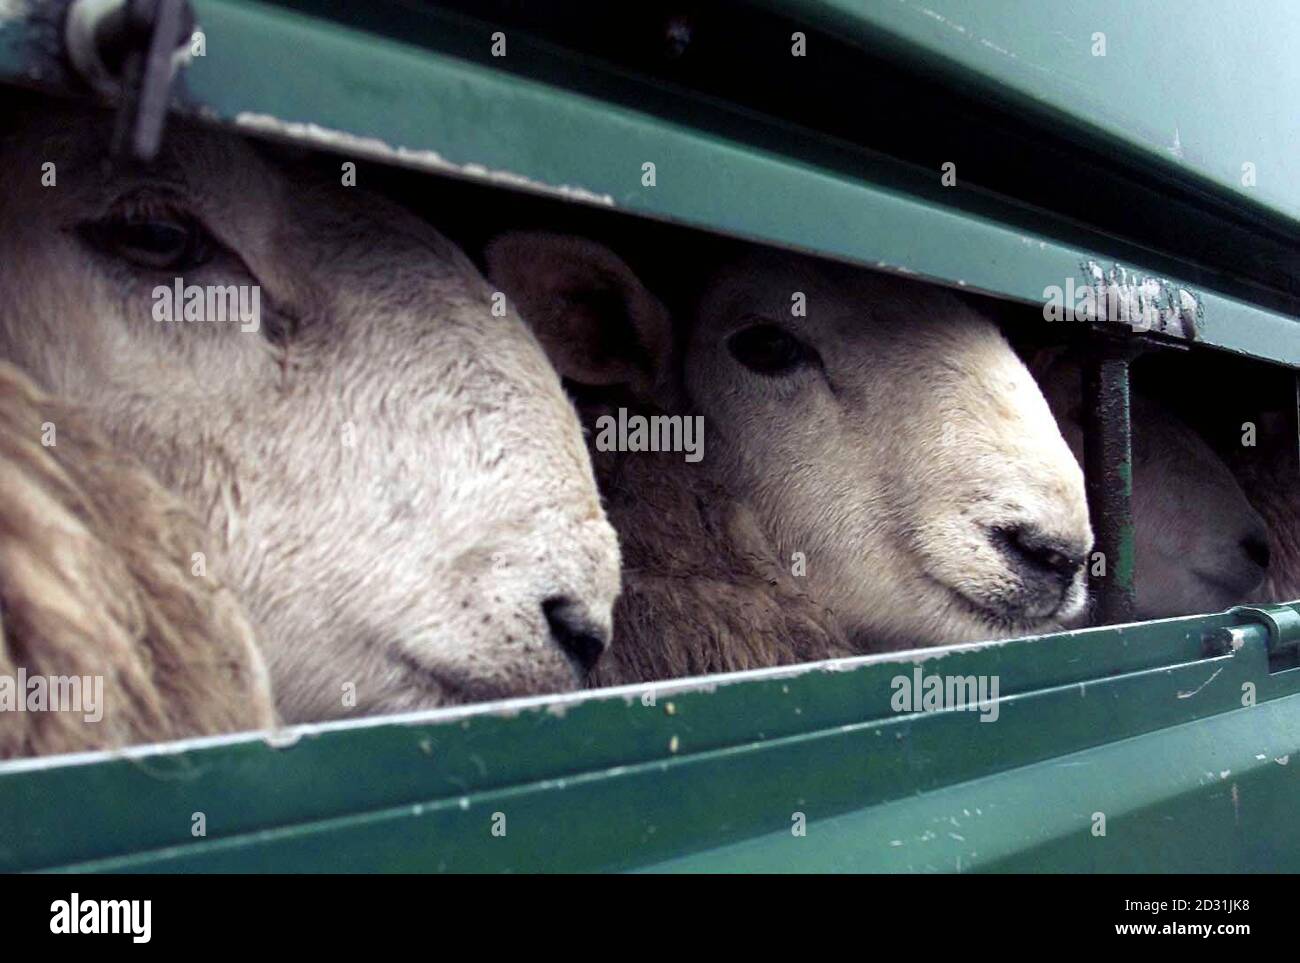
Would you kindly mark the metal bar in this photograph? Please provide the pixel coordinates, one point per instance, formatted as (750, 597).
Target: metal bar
(103, 806)
(916, 799)
(170, 24)
(1108, 470)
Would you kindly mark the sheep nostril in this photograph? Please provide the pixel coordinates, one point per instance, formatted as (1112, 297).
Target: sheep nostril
(573, 630)
(1039, 554)
(1058, 562)
(1256, 549)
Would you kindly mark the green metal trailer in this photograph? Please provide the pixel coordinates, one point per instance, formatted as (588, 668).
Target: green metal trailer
(1007, 147)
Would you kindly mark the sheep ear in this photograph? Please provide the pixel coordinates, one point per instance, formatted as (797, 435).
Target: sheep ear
(598, 323)
(1043, 360)
(1058, 375)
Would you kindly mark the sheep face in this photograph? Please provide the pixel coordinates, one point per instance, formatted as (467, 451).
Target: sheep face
(896, 451)
(1198, 544)
(893, 439)
(391, 475)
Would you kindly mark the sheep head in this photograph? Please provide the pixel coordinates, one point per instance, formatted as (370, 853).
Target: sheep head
(886, 436)
(388, 468)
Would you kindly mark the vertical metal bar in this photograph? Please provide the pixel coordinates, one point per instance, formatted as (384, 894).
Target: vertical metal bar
(1108, 470)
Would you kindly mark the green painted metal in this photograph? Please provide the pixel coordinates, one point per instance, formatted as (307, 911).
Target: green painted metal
(280, 71)
(1191, 86)
(347, 80)
(711, 772)
(1209, 796)
(1108, 474)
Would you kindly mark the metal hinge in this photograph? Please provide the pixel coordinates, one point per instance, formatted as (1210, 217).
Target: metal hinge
(131, 51)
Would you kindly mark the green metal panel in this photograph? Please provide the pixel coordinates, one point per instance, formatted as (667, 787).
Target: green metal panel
(280, 71)
(1134, 722)
(1208, 796)
(482, 123)
(1197, 86)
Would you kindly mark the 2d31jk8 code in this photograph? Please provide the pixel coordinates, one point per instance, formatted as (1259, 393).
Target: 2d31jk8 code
(1155, 907)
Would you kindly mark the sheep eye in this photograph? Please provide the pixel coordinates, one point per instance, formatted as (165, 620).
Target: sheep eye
(170, 241)
(770, 350)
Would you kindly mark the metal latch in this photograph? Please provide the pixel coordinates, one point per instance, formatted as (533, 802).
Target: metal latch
(1282, 622)
(131, 51)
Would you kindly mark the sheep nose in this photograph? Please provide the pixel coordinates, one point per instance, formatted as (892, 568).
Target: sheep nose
(574, 631)
(1039, 558)
(1255, 545)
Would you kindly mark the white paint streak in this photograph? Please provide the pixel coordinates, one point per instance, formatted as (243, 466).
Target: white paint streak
(1188, 695)
(377, 149)
(943, 20)
(1177, 148)
(1002, 50)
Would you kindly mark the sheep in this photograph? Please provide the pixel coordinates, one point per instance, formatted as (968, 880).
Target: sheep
(1281, 509)
(677, 524)
(1276, 494)
(703, 590)
(880, 443)
(97, 586)
(1199, 546)
(1269, 472)
(389, 474)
